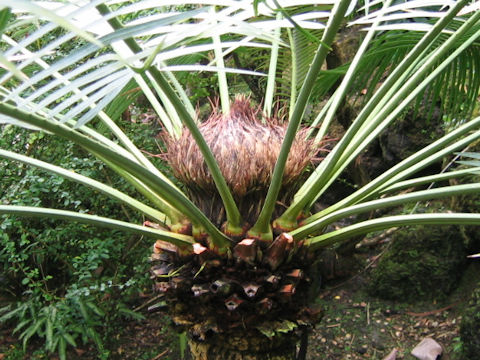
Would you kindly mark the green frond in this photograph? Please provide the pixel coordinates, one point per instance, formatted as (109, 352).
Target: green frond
(29, 211)
(262, 226)
(381, 111)
(388, 222)
(96, 185)
(315, 223)
(450, 93)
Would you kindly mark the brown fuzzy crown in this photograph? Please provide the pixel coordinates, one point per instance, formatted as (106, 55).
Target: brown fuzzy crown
(245, 147)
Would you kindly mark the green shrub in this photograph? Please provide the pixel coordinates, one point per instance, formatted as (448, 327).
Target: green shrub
(66, 280)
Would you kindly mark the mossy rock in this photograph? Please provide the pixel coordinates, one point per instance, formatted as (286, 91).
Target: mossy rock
(470, 326)
(470, 204)
(423, 263)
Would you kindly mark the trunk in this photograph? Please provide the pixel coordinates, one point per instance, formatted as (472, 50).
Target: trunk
(251, 304)
(244, 345)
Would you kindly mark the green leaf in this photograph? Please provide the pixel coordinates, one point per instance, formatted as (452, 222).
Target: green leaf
(472, 155)
(183, 344)
(286, 326)
(155, 183)
(267, 330)
(84, 312)
(95, 308)
(400, 185)
(316, 223)
(297, 27)
(49, 334)
(469, 163)
(56, 339)
(31, 330)
(449, 143)
(222, 77)
(234, 217)
(272, 70)
(130, 313)
(38, 10)
(72, 175)
(62, 349)
(21, 325)
(5, 15)
(177, 239)
(94, 336)
(11, 314)
(389, 222)
(121, 103)
(262, 227)
(69, 338)
(271, 328)
(412, 76)
(255, 5)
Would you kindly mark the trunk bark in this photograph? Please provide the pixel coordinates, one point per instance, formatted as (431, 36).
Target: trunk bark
(244, 345)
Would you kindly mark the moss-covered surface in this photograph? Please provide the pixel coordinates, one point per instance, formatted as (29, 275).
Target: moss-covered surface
(422, 263)
(470, 326)
(470, 204)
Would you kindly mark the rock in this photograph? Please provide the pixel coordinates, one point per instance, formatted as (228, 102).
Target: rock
(427, 349)
(423, 263)
(392, 355)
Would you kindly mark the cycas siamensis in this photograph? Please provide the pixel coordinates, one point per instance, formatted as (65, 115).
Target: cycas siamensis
(255, 285)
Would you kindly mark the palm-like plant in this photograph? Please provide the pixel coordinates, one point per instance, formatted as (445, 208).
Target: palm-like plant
(236, 267)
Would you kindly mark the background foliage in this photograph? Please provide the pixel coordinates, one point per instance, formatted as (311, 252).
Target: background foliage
(68, 280)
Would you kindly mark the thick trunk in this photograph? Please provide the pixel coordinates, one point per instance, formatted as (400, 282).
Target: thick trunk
(249, 304)
(244, 345)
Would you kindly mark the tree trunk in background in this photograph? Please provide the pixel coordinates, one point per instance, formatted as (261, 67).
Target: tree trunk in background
(244, 345)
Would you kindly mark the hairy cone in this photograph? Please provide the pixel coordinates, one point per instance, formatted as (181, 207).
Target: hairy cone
(246, 147)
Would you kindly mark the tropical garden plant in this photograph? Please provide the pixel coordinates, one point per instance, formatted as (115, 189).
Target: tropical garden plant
(236, 234)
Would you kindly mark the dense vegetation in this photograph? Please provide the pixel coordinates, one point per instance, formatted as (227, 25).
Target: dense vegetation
(63, 281)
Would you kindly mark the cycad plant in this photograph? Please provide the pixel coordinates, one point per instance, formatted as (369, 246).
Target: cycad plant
(235, 234)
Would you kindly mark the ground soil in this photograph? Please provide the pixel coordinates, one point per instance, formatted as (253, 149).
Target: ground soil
(354, 326)
(357, 326)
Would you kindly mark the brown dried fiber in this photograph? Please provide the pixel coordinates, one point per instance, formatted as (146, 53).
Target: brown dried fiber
(245, 147)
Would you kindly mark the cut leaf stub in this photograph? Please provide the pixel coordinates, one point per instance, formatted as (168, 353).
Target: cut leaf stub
(240, 290)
